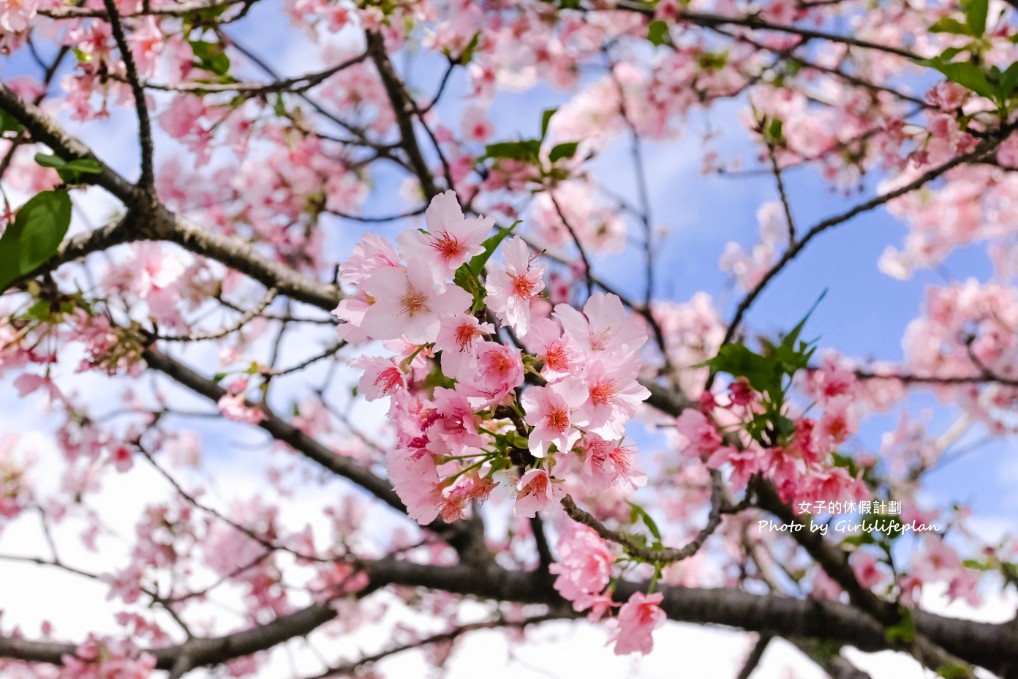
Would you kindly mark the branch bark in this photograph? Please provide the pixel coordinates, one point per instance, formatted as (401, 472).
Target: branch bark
(985, 644)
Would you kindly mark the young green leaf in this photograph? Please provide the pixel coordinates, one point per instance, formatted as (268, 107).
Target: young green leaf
(739, 361)
(636, 511)
(9, 123)
(563, 150)
(657, 33)
(468, 52)
(1008, 82)
(903, 631)
(466, 276)
(527, 150)
(46, 160)
(975, 16)
(546, 120)
(35, 235)
(969, 76)
(949, 25)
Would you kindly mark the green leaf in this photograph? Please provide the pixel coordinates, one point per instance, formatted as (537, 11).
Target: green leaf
(211, 56)
(955, 670)
(55, 162)
(468, 52)
(564, 150)
(739, 361)
(40, 311)
(34, 236)
(517, 440)
(975, 16)
(491, 244)
(657, 33)
(9, 123)
(949, 25)
(950, 53)
(527, 150)
(773, 133)
(84, 166)
(858, 540)
(791, 355)
(903, 631)
(546, 120)
(279, 106)
(70, 172)
(712, 61)
(636, 511)
(466, 275)
(1008, 82)
(845, 462)
(967, 75)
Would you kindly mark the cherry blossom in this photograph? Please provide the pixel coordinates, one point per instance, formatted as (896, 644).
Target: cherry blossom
(549, 410)
(451, 239)
(535, 491)
(409, 303)
(636, 622)
(510, 290)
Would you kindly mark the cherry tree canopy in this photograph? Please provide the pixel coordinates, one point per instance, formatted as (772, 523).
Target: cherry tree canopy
(334, 331)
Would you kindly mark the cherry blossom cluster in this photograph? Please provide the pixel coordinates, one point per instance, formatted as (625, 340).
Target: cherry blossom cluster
(801, 464)
(465, 416)
(492, 380)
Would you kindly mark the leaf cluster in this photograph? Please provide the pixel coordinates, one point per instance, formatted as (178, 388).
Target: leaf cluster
(770, 374)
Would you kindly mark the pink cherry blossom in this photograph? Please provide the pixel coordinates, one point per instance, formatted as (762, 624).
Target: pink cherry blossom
(702, 437)
(16, 15)
(535, 492)
(415, 480)
(234, 406)
(382, 376)
(499, 371)
(583, 566)
(451, 239)
(457, 339)
(370, 253)
(410, 303)
(455, 424)
(603, 327)
(636, 622)
(608, 463)
(560, 355)
(510, 289)
(867, 569)
(549, 410)
(613, 394)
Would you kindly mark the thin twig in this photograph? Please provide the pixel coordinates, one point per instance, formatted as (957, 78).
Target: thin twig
(146, 182)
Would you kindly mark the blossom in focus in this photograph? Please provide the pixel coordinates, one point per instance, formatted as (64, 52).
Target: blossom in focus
(535, 492)
(410, 302)
(451, 239)
(510, 289)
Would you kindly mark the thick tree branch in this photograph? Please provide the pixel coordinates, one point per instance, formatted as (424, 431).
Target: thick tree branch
(46, 131)
(240, 255)
(985, 644)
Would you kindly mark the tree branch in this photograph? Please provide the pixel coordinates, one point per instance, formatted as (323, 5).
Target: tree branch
(985, 644)
(403, 109)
